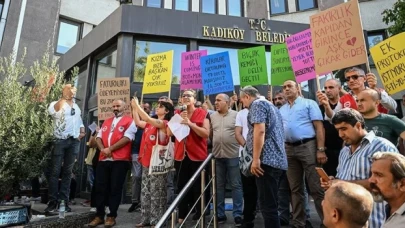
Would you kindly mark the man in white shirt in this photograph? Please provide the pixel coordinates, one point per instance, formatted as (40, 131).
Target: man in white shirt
(114, 142)
(68, 132)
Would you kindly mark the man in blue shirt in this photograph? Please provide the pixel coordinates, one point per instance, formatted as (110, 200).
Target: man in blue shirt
(304, 144)
(265, 141)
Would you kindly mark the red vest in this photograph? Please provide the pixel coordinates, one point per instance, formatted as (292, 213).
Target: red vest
(195, 146)
(124, 153)
(148, 141)
(348, 101)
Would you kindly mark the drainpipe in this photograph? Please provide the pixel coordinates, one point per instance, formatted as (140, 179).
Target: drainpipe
(3, 19)
(19, 28)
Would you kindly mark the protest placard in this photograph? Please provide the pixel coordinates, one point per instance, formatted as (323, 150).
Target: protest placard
(389, 58)
(191, 69)
(337, 38)
(301, 55)
(281, 69)
(158, 73)
(111, 89)
(216, 73)
(252, 66)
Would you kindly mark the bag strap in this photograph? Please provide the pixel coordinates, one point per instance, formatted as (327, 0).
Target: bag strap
(157, 136)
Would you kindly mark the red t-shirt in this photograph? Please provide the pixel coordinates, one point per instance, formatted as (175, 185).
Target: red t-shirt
(348, 101)
(149, 137)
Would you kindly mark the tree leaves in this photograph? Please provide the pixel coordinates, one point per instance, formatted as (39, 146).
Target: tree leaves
(395, 17)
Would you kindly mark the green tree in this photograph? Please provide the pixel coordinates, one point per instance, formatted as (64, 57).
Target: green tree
(396, 16)
(26, 129)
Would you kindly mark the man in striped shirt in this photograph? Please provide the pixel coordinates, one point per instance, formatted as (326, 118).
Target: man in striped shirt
(355, 158)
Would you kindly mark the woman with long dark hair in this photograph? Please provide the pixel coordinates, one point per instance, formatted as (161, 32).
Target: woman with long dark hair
(154, 190)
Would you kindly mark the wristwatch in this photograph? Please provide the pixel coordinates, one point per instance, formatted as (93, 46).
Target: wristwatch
(321, 149)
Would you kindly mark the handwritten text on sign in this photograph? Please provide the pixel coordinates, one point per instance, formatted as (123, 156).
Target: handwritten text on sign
(337, 38)
(281, 69)
(109, 90)
(216, 73)
(191, 70)
(389, 58)
(252, 66)
(158, 73)
(302, 56)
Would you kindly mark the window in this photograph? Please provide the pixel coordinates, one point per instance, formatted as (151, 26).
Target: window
(209, 6)
(105, 67)
(69, 34)
(81, 85)
(144, 48)
(154, 3)
(181, 5)
(374, 39)
(306, 4)
(278, 6)
(234, 8)
(1, 7)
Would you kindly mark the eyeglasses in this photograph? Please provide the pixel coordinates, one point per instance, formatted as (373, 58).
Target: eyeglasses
(72, 112)
(354, 77)
(186, 95)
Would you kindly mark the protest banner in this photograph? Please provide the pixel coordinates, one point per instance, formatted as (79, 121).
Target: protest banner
(111, 89)
(337, 38)
(389, 58)
(216, 73)
(301, 55)
(191, 69)
(252, 66)
(281, 69)
(158, 73)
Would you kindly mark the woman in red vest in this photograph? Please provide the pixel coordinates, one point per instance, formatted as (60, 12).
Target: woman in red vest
(191, 151)
(153, 195)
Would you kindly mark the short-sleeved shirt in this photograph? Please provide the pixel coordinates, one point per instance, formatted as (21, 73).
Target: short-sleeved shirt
(224, 144)
(357, 166)
(297, 119)
(387, 126)
(397, 219)
(273, 151)
(241, 121)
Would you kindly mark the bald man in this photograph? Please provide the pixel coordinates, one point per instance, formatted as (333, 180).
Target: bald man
(226, 151)
(346, 205)
(387, 126)
(114, 142)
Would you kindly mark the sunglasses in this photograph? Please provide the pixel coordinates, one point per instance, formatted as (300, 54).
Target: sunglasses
(72, 112)
(186, 95)
(331, 87)
(354, 77)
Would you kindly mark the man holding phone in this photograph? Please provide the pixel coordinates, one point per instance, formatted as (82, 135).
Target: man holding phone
(354, 160)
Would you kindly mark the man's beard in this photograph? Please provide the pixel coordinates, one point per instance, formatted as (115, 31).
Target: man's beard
(377, 196)
(117, 113)
(279, 104)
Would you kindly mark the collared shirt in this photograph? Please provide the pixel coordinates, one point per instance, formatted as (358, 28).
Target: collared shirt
(65, 124)
(241, 121)
(224, 144)
(273, 151)
(297, 119)
(397, 219)
(357, 166)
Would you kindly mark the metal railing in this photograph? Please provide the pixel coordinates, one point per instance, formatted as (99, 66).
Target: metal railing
(170, 212)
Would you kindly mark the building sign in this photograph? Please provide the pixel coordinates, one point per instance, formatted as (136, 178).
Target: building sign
(262, 32)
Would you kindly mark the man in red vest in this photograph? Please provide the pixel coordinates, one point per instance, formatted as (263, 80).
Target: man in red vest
(355, 78)
(114, 141)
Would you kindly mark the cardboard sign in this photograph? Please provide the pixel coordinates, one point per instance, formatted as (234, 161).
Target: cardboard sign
(389, 58)
(337, 38)
(158, 73)
(252, 66)
(301, 55)
(191, 70)
(216, 73)
(281, 69)
(111, 89)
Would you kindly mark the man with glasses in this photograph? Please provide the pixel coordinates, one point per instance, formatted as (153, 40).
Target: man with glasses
(356, 78)
(69, 130)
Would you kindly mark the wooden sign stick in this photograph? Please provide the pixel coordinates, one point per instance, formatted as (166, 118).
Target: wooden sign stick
(318, 84)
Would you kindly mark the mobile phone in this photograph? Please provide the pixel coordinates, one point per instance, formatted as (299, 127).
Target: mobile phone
(322, 174)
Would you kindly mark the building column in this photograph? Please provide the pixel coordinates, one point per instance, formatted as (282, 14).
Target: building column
(125, 56)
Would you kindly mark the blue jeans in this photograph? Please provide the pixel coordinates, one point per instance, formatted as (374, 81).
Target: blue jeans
(267, 186)
(227, 169)
(90, 176)
(136, 171)
(65, 152)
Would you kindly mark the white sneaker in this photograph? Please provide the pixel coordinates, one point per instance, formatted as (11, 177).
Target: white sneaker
(93, 209)
(107, 210)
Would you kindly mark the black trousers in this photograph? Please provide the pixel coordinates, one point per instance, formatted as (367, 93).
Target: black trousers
(110, 180)
(333, 161)
(185, 170)
(93, 189)
(249, 197)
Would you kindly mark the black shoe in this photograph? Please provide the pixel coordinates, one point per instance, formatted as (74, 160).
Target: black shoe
(52, 207)
(68, 209)
(133, 207)
(248, 225)
(222, 220)
(284, 222)
(238, 221)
